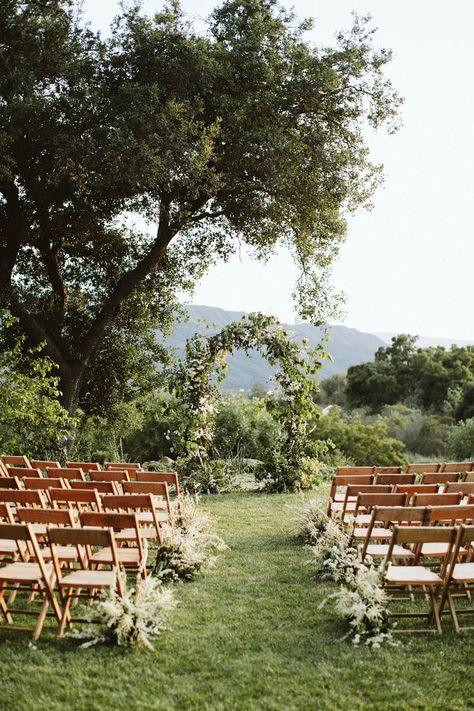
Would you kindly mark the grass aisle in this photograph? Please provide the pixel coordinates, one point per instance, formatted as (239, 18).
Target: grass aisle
(246, 636)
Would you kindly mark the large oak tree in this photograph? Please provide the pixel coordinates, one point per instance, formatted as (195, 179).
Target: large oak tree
(244, 132)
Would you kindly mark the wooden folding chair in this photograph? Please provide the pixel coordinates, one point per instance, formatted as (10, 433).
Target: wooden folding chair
(387, 470)
(459, 578)
(414, 578)
(394, 479)
(341, 481)
(35, 577)
(83, 582)
(132, 558)
(15, 461)
(440, 478)
(144, 506)
(446, 515)
(44, 464)
(422, 468)
(365, 502)
(352, 496)
(379, 530)
(75, 499)
(460, 467)
(85, 466)
(158, 489)
(67, 474)
(40, 520)
(170, 478)
(102, 487)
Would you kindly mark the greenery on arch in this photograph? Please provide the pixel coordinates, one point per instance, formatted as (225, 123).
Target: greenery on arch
(290, 464)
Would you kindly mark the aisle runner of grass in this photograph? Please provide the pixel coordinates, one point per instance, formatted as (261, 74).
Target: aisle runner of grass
(248, 635)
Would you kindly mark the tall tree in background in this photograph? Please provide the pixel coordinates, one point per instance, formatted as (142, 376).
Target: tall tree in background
(242, 133)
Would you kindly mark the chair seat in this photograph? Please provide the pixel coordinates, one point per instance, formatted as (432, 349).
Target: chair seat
(124, 555)
(147, 516)
(380, 550)
(27, 572)
(68, 553)
(89, 579)
(362, 519)
(382, 534)
(8, 546)
(463, 572)
(411, 575)
(436, 550)
(129, 534)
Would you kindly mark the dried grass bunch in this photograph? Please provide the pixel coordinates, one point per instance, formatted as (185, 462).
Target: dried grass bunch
(189, 543)
(132, 620)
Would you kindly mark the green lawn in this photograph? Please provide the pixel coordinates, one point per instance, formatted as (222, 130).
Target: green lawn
(247, 635)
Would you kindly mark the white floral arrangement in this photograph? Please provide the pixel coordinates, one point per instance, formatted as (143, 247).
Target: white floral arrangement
(361, 598)
(189, 543)
(131, 620)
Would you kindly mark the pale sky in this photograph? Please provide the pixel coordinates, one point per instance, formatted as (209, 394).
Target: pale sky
(407, 266)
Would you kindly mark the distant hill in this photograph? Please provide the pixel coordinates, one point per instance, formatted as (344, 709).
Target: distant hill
(347, 346)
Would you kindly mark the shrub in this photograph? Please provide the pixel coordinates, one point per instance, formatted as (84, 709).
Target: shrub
(461, 440)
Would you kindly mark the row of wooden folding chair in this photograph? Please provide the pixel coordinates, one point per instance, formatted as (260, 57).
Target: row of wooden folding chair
(418, 468)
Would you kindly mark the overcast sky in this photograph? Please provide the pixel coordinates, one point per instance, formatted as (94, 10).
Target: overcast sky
(407, 266)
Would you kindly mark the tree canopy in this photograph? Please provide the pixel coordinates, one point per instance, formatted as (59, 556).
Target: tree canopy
(433, 378)
(244, 132)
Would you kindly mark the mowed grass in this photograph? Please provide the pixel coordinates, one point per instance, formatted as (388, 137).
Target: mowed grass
(247, 635)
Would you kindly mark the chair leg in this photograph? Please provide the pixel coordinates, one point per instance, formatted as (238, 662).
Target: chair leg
(41, 619)
(65, 618)
(435, 611)
(453, 613)
(3, 605)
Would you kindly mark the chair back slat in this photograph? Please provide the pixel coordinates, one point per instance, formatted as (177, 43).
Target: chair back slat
(57, 517)
(106, 519)
(118, 475)
(102, 487)
(66, 473)
(42, 484)
(394, 478)
(437, 499)
(423, 468)
(44, 464)
(387, 470)
(424, 534)
(29, 498)
(451, 514)
(163, 477)
(157, 488)
(416, 488)
(102, 537)
(15, 460)
(127, 502)
(464, 487)
(76, 498)
(400, 514)
(10, 482)
(21, 472)
(456, 467)
(85, 466)
(439, 477)
(122, 465)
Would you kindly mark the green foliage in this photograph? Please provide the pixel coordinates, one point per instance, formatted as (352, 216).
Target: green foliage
(428, 378)
(32, 421)
(285, 466)
(244, 428)
(461, 441)
(246, 132)
(332, 390)
(361, 443)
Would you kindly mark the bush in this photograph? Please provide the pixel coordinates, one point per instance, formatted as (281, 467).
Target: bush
(244, 428)
(360, 443)
(461, 440)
